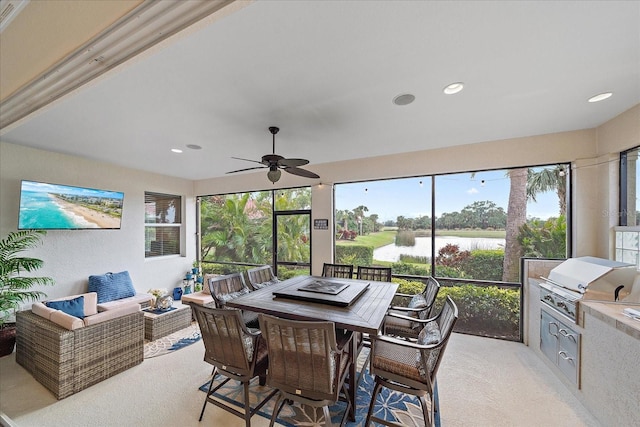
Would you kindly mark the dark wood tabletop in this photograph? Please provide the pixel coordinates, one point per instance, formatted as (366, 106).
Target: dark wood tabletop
(365, 314)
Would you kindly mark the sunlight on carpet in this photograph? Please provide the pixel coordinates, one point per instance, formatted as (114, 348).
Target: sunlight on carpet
(391, 405)
(172, 342)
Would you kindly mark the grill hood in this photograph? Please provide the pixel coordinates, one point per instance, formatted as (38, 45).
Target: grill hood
(596, 278)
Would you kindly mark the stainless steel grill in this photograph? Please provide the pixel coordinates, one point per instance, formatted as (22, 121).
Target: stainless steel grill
(587, 278)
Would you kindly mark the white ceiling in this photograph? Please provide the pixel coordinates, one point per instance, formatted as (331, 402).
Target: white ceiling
(326, 74)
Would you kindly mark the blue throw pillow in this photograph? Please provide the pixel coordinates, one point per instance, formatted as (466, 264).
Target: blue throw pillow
(111, 286)
(73, 307)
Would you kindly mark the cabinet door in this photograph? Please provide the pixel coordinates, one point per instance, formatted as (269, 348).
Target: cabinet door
(568, 352)
(549, 328)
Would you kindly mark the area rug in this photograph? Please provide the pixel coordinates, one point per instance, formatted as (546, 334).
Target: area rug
(172, 342)
(391, 405)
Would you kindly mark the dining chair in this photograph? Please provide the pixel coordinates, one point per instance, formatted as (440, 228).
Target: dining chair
(400, 320)
(409, 367)
(262, 276)
(308, 363)
(228, 287)
(343, 271)
(377, 274)
(235, 352)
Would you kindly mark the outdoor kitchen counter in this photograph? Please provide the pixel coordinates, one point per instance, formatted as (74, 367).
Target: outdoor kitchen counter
(611, 313)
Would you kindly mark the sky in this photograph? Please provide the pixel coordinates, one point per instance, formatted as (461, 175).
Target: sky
(66, 189)
(391, 198)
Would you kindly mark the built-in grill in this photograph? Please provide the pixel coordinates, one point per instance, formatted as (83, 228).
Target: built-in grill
(587, 278)
(567, 285)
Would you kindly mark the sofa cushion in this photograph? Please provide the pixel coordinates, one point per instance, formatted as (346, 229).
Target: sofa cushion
(111, 286)
(111, 314)
(138, 299)
(73, 307)
(200, 298)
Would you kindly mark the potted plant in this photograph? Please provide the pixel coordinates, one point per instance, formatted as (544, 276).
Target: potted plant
(15, 289)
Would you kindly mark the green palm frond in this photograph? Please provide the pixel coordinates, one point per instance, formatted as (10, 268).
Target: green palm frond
(14, 288)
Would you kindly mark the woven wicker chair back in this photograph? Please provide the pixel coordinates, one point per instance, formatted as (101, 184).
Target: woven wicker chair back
(260, 275)
(225, 285)
(344, 271)
(430, 293)
(302, 357)
(446, 319)
(225, 339)
(377, 274)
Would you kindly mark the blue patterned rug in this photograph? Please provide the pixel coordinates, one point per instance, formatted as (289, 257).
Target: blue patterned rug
(173, 342)
(391, 405)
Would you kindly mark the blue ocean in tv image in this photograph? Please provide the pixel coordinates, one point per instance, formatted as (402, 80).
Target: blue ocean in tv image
(53, 206)
(40, 210)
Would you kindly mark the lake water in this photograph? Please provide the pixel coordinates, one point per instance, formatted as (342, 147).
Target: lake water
(423, 247)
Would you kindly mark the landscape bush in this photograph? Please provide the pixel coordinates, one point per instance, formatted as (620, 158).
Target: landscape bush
(485, 311)
(405, 238)
(354, 255)
(484, 264)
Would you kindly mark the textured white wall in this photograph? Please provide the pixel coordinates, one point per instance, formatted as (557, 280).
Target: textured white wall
(71, 256)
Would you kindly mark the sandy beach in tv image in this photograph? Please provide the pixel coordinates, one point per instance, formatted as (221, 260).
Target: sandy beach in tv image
(54, 206)
(90, 217)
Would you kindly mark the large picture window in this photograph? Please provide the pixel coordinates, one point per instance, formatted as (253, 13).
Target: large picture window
(163, 224)
(455, 225)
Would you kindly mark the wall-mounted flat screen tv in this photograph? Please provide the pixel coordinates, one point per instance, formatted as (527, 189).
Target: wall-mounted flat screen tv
(45, 206)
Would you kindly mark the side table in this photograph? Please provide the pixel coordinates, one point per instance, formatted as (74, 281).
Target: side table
(162, 324)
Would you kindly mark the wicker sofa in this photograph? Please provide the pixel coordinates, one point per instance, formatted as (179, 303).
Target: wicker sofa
(69, 359)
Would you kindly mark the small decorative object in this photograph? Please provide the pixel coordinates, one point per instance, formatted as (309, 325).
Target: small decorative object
(164, 302)
(194, 270)
(157, 293)
(177, 293)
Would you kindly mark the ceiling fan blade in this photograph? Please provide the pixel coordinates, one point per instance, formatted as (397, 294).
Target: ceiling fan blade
(248, 169)
(292, 163)
(301, 172)
(246, 160)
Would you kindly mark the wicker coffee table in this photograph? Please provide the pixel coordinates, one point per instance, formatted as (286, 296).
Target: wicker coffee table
(162, 324)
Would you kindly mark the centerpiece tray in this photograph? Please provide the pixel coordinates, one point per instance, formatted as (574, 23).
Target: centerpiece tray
(324, 290)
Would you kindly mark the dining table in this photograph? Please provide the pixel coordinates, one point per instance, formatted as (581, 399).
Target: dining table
(356, 305)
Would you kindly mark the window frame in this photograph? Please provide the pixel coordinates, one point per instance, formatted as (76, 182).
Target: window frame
(178, 225)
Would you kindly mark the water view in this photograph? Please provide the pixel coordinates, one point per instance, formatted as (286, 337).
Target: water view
(423, 247)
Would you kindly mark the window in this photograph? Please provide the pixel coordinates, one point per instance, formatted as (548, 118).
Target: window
(472, 225)
(163, 224)
(629, 187)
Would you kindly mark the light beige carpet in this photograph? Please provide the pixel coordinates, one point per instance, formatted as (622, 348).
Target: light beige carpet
(482, 382)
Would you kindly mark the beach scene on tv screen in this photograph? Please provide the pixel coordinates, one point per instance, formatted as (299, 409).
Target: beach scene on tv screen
(52, 206)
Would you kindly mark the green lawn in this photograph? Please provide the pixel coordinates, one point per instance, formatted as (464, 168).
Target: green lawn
(377, 240)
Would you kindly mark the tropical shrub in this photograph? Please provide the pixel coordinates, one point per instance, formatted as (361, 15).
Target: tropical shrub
(544, 239)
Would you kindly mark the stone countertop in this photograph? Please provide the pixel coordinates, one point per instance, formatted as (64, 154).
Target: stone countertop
(611, 313)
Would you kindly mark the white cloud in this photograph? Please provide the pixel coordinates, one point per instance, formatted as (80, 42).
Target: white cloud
(472, 190)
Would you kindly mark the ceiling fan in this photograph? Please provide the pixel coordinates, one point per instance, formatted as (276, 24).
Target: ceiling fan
(275, 163)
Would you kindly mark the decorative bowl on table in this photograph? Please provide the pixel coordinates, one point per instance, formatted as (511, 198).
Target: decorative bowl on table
(164, 302)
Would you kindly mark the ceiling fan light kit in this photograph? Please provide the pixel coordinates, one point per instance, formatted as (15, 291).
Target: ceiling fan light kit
(276, 163)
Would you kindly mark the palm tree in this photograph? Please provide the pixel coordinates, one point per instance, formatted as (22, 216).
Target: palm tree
(516, 218)
(548, 179)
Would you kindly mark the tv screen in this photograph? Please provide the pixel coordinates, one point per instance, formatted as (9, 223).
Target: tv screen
(45, 206)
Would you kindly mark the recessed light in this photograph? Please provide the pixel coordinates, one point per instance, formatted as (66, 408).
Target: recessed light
(404, 99)
(176, 150)
(600, 97)
(453, 88)
(194, 146)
